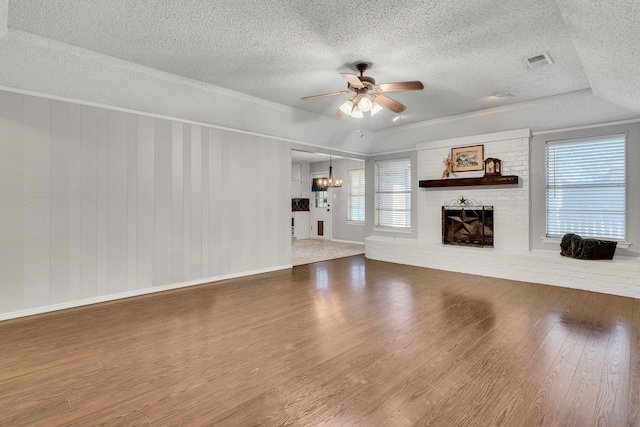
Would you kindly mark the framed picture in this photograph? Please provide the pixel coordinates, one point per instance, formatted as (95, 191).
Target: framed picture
(468, 158)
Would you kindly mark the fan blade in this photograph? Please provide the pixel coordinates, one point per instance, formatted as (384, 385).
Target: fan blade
(353, 80)
(342, 92)
(394, 106)
(399, 86)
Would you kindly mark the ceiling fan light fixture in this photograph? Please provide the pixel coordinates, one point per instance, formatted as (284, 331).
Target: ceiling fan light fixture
(356, 113)
(366, 96)
(365, 104)
(347, 107)
(376, 108)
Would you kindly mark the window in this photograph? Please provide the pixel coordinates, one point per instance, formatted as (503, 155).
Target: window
(586, 187)
(393, 193)
(322, 199)
(356, 196)
(320, 193)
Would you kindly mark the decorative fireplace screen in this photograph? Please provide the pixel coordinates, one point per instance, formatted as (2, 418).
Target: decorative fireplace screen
(467, 223)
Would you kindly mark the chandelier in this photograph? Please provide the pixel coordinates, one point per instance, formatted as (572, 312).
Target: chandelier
(331, 182)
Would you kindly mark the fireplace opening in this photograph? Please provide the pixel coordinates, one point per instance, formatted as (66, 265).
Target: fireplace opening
(467, 223)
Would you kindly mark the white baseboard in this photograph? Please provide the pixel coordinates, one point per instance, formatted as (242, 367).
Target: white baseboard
(135, 293)
(347, 241)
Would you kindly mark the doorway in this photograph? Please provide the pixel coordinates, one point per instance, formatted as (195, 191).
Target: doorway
(320, 207)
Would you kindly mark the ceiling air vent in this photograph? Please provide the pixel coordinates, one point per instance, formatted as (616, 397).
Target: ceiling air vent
(539, 60)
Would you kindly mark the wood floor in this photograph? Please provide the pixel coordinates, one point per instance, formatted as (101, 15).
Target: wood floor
(343, 342)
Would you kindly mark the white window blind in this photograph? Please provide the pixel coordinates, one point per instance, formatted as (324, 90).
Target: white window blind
(356, 196)
(393, 193)
(586, 187)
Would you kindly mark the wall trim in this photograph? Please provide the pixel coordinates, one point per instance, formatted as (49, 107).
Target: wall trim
(406, 150)
(593, 126)
(476, 139)
(314, 148)
(174, 119)
(135, 293)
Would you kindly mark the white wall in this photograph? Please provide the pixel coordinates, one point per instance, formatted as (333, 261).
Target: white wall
(511, 257)
(100, 204)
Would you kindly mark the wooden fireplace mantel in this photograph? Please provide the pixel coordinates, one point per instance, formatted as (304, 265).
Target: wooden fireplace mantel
(462, 182)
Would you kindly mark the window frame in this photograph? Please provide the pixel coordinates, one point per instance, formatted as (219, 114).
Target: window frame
(561, 182)
(407, 192)
(537, 208)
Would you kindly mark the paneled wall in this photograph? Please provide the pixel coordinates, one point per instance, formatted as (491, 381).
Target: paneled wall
(98, 204)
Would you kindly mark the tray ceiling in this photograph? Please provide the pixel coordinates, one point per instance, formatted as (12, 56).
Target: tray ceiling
(280, 51)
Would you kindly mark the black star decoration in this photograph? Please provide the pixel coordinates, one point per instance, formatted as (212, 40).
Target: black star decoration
(463, 221)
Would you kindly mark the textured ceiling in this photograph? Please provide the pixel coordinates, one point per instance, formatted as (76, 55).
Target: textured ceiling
(281, 50)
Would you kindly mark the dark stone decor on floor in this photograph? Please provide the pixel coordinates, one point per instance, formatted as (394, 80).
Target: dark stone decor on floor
(574, 246)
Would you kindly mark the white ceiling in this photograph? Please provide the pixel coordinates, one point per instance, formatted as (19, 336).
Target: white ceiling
(463, 51)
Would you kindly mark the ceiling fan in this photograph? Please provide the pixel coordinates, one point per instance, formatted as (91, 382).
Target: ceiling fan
(368, 95)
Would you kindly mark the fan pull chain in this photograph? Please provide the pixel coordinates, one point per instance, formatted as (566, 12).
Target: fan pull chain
(360, 130)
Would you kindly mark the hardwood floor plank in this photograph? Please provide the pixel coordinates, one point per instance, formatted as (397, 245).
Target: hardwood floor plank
(633, 399)
(513, 404)
(348, 342)
(614, 390)
(580, 406)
